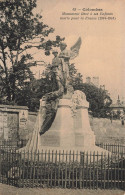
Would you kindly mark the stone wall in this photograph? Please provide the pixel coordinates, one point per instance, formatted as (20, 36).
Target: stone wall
(13, 122)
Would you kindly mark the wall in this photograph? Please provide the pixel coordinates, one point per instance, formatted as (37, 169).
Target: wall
(13, 122)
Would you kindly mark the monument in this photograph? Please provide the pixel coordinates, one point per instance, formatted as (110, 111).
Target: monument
(70, 129)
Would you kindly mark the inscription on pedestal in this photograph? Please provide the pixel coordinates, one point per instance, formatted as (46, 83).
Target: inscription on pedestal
(50, 140)
(79, 140)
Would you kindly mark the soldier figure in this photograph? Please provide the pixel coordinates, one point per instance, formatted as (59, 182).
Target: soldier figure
(65, 57)
(57, 69)
(60, 64)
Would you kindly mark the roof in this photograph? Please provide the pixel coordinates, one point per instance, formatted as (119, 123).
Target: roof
(117, 105)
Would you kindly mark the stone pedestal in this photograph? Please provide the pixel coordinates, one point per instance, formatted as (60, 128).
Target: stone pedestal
(70, 130)
(61, 134)
(84, 136)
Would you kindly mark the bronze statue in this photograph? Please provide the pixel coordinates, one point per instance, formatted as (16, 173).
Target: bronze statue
(60, 67)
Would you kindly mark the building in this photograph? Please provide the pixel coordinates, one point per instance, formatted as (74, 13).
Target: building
(119, 106)
(88, 80)
(102, 87)
(95, 81)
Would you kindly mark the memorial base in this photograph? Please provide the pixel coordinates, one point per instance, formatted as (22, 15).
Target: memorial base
(70, 133)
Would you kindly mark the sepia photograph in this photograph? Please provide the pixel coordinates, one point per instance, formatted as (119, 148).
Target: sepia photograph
(62, 97)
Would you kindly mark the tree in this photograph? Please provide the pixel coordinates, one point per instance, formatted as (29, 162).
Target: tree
(20, 31)
(98, 99)
(32, 92)
(48, 84)
(76, 78)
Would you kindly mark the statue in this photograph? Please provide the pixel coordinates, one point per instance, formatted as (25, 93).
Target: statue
(63, 113)
(60, 67)
(65, 56)
(57, 69)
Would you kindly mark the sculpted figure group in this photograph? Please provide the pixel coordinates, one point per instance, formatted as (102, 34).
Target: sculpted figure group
(60, 63)
(60, 68)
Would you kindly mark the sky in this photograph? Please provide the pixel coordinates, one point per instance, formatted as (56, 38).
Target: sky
(103, 42)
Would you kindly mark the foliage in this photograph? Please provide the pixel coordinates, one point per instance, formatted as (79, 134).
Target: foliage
(76, 78)
(98, 99)
(34, 90)
(20, 31)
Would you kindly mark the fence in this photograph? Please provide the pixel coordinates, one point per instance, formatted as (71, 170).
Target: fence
(114, 148)
(13, 145)
(63, 169)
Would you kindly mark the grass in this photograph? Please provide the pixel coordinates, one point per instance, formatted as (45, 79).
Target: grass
(107, 132)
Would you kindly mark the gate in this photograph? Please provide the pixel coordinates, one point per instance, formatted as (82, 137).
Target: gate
(9, 125)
